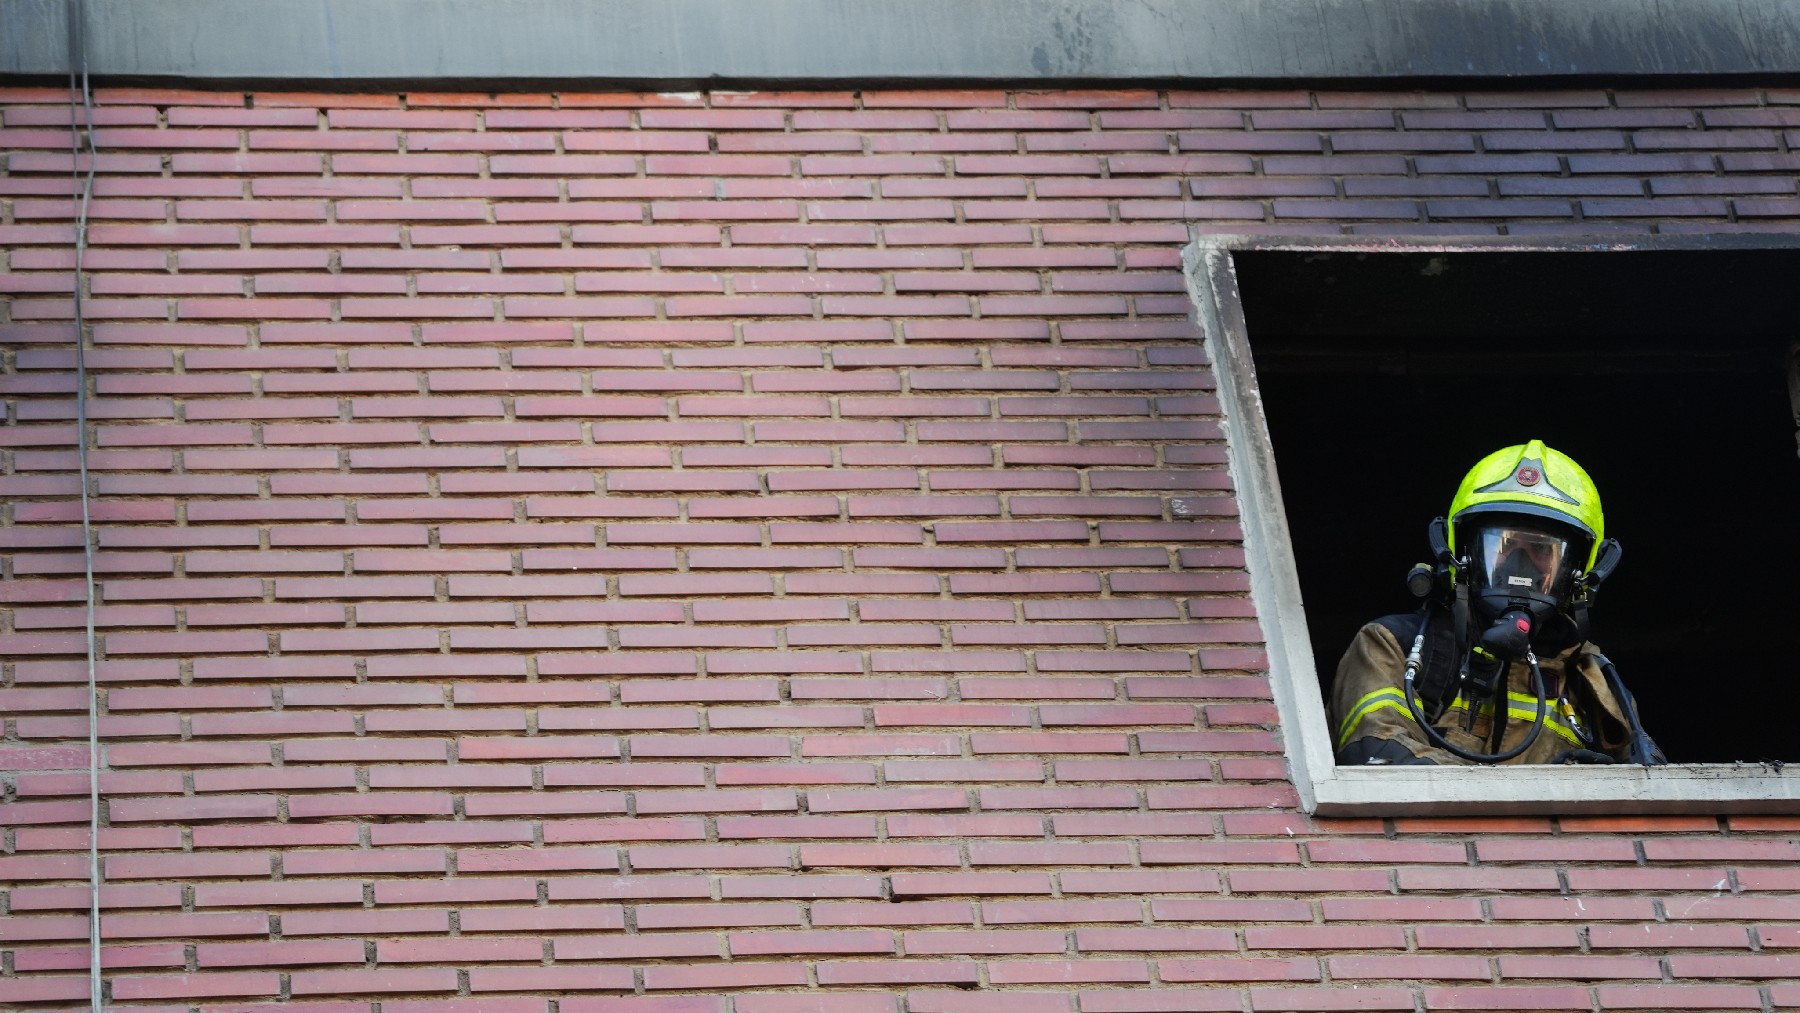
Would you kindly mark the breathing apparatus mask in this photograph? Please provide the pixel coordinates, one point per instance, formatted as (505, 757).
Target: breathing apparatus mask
(1522, 577)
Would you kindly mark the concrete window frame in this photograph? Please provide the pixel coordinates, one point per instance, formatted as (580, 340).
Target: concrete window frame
(1325, 788)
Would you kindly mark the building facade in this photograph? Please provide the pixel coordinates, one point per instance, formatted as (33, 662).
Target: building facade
(564, 550)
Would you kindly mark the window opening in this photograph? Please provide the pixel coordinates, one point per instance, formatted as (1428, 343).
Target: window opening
(1670, 374)
(1663, 374)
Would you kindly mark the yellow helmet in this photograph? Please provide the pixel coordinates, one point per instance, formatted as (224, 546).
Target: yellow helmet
(1536, 481)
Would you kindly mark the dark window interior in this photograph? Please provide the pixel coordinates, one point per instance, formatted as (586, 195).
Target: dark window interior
(1385, 376)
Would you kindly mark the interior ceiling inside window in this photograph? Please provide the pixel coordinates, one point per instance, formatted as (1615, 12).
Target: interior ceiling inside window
(1665, 374)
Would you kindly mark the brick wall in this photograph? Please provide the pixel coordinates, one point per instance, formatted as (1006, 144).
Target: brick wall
(755, 553)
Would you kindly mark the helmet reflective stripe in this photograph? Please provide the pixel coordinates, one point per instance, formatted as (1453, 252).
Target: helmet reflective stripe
(1536, 481)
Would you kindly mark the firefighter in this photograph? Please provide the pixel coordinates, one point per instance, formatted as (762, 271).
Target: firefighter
(1496, 666)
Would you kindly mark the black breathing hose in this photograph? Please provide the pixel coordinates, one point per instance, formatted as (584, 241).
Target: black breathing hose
(1640, 748)
(1413, 663)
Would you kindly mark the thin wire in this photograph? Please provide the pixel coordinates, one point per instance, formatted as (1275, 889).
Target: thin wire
(78, 54)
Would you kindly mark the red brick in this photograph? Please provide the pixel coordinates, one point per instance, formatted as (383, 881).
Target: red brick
(852, 1002)
(1230, 910)
(1578, 967)
(1160, 1000)
(211, 807)
(874, 800)
(188, 926)
(1719, 850)
(1685, 997)
(1473, 825)
(389, 980)
(804, 886)
(1325, 937)
(187, 866)
(1646, 879)
(1059, 911)
(1571, 908)
(282, 954)
(1059, 971)
(884, 855)
(1669, 936)
(1496, 937)
(958, 883)
(196, 985)
(898, 972)
(801, 827)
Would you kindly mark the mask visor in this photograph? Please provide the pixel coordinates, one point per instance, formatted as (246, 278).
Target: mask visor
(1519, 561)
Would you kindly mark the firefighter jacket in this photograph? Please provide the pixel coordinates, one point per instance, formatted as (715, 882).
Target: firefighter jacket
(1370, 719)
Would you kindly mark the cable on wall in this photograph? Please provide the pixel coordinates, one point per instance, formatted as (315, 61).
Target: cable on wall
(84, 187)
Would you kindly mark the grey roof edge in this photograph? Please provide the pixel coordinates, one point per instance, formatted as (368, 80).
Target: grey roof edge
(818, 43)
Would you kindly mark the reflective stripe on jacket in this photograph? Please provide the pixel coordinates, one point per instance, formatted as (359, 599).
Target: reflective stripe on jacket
(1367, 701)
(1560, 716)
